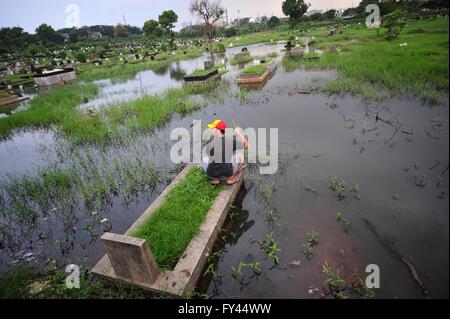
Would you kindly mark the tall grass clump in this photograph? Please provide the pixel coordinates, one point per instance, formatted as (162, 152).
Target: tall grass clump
(369, 65)
(50, 108)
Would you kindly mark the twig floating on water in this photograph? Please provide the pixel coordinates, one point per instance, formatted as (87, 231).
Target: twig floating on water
(435, 165)
(433, 137)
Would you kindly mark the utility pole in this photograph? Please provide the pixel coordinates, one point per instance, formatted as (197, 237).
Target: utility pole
(124, 20)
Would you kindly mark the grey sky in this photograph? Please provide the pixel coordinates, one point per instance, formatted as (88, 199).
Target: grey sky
(28, 14)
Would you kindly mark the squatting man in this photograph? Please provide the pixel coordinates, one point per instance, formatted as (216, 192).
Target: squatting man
(222, 155)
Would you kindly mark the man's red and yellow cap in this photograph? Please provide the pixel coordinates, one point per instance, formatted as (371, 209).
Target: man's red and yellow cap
(219, 124)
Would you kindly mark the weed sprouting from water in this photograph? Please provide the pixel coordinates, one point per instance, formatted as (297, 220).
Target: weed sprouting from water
(237, 271)
(341, 219)
(313, 240)
(211, 262)
(335, 283)
(270, 247)
(55, 194)
(356, 191)
(336, 286)
(338, 186)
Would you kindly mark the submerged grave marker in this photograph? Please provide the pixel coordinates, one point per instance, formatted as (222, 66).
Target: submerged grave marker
(130, 260)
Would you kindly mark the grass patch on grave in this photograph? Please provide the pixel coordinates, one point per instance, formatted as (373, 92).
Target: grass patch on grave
(204, 72)
(254, 69)
(172, 226)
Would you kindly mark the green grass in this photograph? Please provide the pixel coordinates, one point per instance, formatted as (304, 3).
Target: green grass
(373, 67)
(254, 69)
(17, 282)
(203, 72)
(241, 58)
(173, 225)
(311, 55)
(85, 179)
(48, 109)
(4, 94)
(18, 79)
(58, 110)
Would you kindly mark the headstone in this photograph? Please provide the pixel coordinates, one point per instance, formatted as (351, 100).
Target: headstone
(131, 258)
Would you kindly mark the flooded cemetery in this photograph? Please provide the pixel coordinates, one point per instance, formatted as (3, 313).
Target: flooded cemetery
(362, 165)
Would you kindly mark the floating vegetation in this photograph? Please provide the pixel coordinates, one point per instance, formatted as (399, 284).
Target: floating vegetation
(237, 271)
(270, 247)
(266, 194)
(345, 222)
(313, 239)
(356, 191)
(308, 188)
(338, 186)
(336, 286)
(420, 181)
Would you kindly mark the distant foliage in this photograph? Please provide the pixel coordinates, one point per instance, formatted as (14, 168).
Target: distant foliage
(294, 9)
(273, 22)
(120, 31)
(394, 23)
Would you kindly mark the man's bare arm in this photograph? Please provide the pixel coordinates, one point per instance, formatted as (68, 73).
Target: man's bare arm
(241, 136)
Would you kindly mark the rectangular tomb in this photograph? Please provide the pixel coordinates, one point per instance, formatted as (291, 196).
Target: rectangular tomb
(129, 259)
(55, 77)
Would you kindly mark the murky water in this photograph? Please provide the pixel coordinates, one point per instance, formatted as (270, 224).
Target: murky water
(382, 147)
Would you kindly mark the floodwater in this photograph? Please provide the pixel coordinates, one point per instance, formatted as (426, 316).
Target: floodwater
(394, 150)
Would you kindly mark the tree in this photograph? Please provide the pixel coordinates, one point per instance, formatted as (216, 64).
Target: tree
(316, 16)
(436, 4)
(294, 9)
(273, 22)
(14, 40)
(210, 11)
(330, 14)
(152, 28)
(33, 50)
(47, 36)
(394, 23)
(120, 31)
(167, 20)
(350, 12)
(230, 32)
(81, 57)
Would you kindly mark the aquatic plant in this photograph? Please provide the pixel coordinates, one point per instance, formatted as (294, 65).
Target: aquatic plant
(270, 247)
(345, 222)
(313, 239)
(356, 191)
(338, 186)
(308, 188)
(334, 282)
(237, 271)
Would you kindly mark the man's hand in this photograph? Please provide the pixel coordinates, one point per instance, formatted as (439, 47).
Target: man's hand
(238, 131)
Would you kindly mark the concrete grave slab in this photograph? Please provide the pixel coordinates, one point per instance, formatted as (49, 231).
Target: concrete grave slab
(129, 260)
